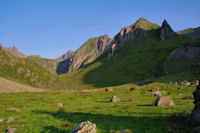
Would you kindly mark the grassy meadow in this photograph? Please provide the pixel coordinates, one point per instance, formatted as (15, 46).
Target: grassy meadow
(39, 113)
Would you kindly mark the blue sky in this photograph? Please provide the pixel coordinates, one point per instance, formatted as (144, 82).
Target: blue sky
(51, 27)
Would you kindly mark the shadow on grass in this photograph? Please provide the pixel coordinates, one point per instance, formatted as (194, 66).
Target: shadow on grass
(111, 123)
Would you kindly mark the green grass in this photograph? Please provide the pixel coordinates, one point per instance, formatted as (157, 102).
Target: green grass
(40, 115)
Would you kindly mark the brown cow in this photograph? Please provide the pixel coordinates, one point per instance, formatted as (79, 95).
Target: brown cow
(108, 89)
(157, 88)
(67, 125)
(132, 89)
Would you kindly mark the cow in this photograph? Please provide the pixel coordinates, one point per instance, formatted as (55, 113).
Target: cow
(132, 89)
(108, 89)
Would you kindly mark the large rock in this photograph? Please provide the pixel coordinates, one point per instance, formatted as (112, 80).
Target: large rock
(164, 101)
(166, 30)
(10, 119)
(13, 109)
(85, 127)
(1, 120)
(11, 130)
(195, 116)
(114, 99)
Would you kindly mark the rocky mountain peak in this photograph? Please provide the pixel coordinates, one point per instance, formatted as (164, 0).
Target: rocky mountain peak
(166, 30)
(66, 55)
(14, 51)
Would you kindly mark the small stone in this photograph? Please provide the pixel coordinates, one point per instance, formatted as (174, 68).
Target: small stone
(10, 119)
(1, 119)
(128, 100)
(11, 130)
(157, 93)
(59, 105)
(114, 99)
(85, 127)
(13, 109)
(124, 131)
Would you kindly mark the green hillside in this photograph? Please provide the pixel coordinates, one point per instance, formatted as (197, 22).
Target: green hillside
(142, 59)
(24, 70)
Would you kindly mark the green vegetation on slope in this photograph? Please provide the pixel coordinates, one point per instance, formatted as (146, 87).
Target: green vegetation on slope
(24, 70)
(39, 113)
(138, 60)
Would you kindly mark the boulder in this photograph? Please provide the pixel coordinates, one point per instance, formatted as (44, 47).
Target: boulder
(195, 116)
(114, 99)
(128, 100)
(85, 127)
(10, 119)
(13, 109)
(196, 130)
(1, 120)
(59, 105)
(157, 93)
(164, 101)
(11, 130)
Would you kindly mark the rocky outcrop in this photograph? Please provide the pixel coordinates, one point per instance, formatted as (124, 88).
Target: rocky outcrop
(85, 127)
(195, 116)
(66, 55)
(183, 59)
(166, 31)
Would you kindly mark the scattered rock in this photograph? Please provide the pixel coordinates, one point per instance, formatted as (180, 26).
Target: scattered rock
(1, 120)
(13, 109)
(196, 130)
(180, 88)
(128, 100)
(85, 127)
(164, 101)
(10, 119)
(195, 116)
(157, 93)
(59, 105)
(11, 130)
(114, 99)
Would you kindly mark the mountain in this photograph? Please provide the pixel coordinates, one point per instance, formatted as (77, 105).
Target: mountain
(14, 66)
(190, 32)
(141, 52)
(66, 55)
(86, 54)
(14, 51)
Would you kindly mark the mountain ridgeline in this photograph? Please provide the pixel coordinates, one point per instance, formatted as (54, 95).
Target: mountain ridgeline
(141, 51)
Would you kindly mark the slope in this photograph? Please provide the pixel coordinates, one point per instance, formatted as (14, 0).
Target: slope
(24, 70)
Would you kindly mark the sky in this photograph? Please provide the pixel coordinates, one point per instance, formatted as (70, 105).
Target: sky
(50, 28)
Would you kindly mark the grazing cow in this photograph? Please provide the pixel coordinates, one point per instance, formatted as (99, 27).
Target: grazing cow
(108, 89)
(67, 125)
(150, 86)
(157, 88)
(132, 89)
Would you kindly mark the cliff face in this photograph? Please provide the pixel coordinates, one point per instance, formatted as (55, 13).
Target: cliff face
(66, 55)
